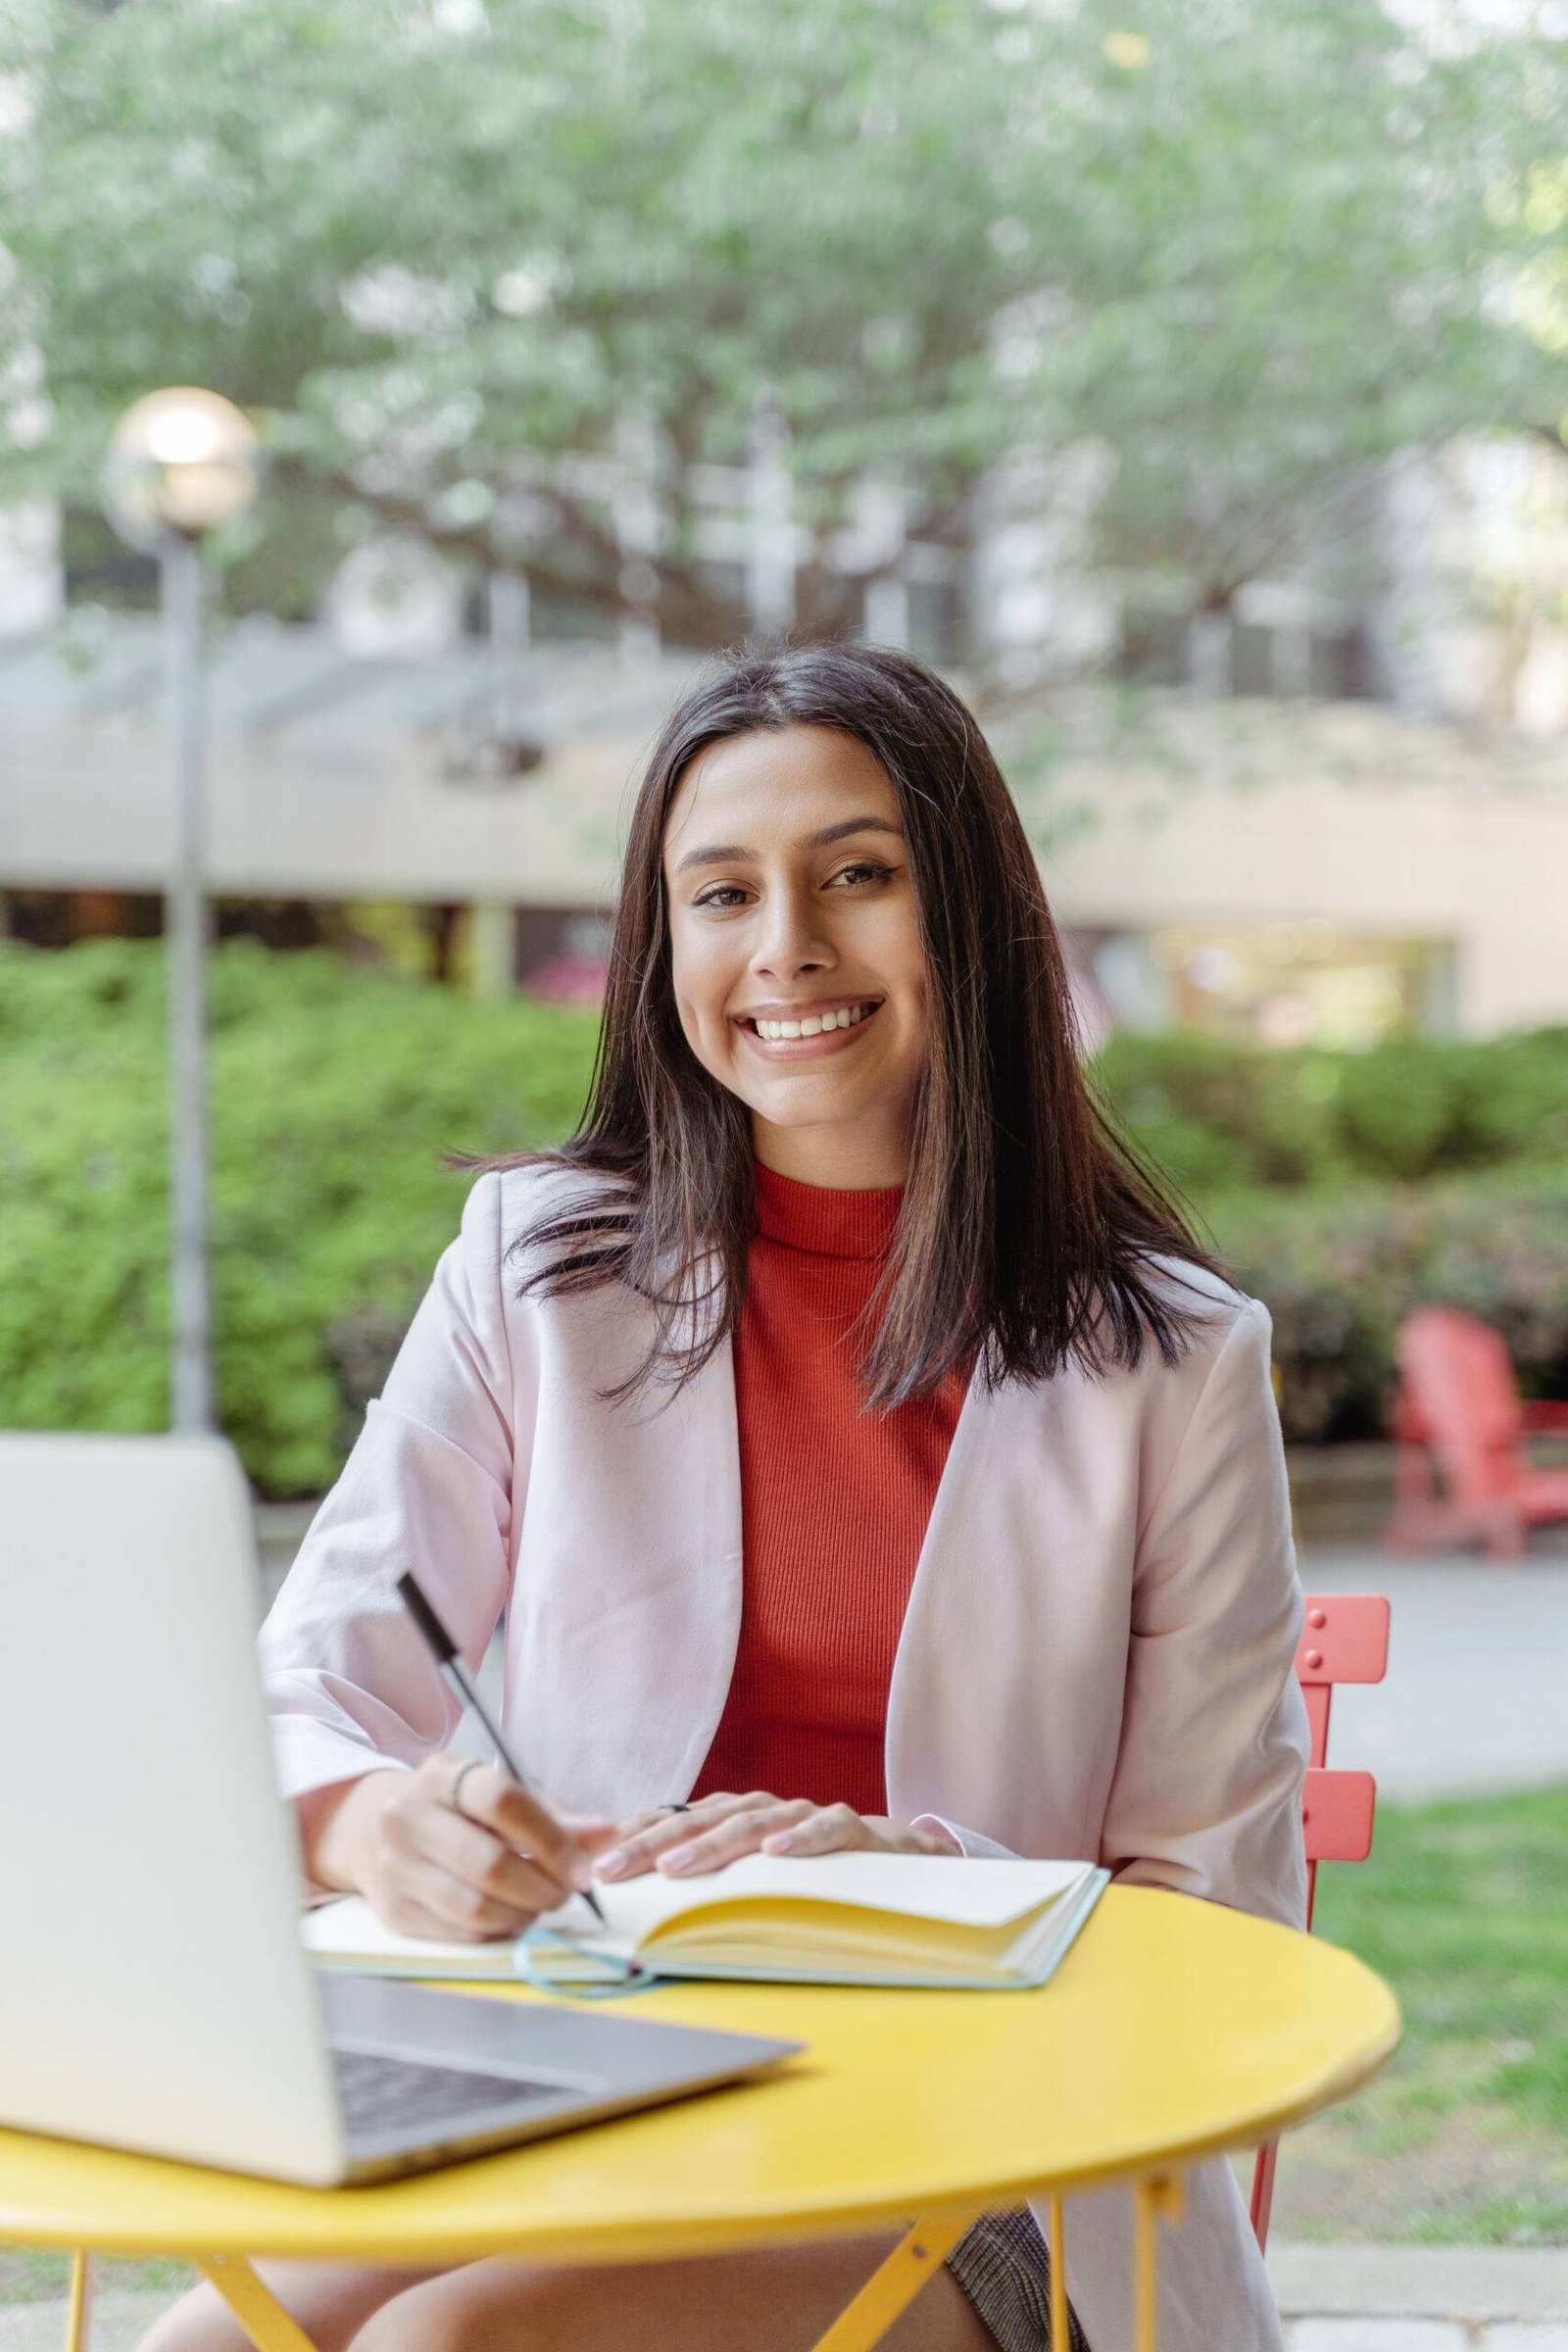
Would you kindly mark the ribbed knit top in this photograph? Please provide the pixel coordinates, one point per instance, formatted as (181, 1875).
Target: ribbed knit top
(834, 1505)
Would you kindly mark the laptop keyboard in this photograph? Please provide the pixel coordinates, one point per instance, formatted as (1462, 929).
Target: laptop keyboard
(406, 2094)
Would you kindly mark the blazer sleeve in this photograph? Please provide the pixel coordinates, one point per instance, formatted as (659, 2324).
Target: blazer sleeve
(1206, 1791)
(431, 1485)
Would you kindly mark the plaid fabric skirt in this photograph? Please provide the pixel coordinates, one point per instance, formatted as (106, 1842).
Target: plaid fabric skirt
(1003, 2266)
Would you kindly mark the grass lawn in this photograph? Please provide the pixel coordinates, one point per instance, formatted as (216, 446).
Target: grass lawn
(1464, 2135)
(1463, 1907)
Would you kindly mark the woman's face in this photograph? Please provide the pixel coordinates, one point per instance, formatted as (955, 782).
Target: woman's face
(790, 902)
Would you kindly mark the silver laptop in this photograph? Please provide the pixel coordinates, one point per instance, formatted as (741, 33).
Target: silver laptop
(153, 1990)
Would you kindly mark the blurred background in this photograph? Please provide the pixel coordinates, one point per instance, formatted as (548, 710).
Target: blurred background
(1188, 380)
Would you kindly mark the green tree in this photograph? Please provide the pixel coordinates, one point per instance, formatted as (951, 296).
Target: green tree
(478, 259)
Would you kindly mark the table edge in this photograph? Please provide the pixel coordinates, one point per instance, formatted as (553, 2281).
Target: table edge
(674, 2235)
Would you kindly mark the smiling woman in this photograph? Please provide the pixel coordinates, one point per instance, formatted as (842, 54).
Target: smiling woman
(862, 1455)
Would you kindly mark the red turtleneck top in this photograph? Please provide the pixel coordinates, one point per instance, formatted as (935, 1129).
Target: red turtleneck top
(834, 1505)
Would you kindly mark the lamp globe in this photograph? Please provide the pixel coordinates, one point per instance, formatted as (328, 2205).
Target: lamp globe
(180, 461)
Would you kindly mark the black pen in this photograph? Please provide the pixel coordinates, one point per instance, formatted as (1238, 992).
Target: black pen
(444, 1651)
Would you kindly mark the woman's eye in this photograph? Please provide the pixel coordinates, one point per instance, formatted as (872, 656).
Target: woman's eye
(725, 892)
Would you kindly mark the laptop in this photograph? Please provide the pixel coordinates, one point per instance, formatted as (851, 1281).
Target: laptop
(153, 1994)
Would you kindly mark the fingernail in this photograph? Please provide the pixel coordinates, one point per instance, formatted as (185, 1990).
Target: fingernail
(779, 1844)
(678, 1857)
(611, 1865)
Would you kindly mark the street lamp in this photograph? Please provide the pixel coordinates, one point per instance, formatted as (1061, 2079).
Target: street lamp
(180, 462)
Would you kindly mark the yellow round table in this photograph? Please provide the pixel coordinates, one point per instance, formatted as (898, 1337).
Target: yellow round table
(1173, 2030)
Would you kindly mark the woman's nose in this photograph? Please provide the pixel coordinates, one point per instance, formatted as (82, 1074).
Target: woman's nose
(791, 940)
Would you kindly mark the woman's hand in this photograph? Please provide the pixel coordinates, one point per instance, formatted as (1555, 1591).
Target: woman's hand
(717, 1829)
(484, 1867)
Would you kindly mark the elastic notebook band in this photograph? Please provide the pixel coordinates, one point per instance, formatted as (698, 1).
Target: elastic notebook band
(553, 1963)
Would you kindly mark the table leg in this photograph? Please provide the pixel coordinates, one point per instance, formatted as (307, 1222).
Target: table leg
(897, 2281)
(258, 2310)
(1060, 2334)
(1162, 2195)
(78, 2312)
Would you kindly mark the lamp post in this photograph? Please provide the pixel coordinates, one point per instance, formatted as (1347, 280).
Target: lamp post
(180, 462)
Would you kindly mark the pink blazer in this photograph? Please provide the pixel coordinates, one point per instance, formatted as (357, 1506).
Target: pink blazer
(1096, 1659)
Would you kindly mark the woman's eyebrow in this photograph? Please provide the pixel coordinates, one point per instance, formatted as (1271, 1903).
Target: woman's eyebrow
(722, 854)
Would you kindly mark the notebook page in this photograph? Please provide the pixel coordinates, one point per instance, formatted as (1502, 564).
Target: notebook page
(768, 1935)
(979, 1893)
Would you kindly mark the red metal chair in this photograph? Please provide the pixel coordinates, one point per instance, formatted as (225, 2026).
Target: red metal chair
(1459, 1424)
(1345, 1638)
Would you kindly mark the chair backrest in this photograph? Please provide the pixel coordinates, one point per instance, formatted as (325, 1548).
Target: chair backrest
(1345, 1638)
(1459, 1396)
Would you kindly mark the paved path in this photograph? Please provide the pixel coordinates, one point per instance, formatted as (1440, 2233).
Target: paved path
(1508, 2298)
(1334, 2298)
(1473, 1702)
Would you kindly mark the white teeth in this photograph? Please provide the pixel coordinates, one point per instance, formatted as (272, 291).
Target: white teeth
(815, 1023)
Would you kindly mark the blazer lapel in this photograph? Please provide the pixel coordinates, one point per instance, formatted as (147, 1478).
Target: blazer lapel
(626, 1604)
(999, 1706)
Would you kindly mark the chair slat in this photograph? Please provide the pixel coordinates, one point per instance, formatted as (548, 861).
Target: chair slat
(1337, 1810)
(1345, 1638)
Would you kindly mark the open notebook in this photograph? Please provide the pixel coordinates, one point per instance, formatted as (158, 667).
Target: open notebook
(841, 1918)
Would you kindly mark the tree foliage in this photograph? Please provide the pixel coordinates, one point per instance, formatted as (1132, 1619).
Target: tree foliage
(457, 250)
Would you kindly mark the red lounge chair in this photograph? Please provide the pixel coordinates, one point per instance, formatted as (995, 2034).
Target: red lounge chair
(1461, 1472)
(1345, 1638)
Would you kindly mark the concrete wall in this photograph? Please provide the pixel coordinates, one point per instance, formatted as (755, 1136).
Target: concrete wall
(1480, 868)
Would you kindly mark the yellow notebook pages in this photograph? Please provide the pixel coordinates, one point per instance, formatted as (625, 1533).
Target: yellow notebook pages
(870, 1919)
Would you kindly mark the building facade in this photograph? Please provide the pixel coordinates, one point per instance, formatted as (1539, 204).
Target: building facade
(1306, 818)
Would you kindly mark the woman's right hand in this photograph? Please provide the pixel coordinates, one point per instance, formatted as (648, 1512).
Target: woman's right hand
(485, 1866)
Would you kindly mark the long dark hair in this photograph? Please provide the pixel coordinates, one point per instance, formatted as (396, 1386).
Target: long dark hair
(1027, 1226)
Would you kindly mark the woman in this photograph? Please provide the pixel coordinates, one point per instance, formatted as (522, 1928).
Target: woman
(863, 1454)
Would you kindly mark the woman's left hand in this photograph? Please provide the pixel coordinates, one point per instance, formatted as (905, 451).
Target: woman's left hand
(720, 1828)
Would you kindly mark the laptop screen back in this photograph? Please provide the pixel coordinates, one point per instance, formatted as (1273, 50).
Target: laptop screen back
(152, 1990)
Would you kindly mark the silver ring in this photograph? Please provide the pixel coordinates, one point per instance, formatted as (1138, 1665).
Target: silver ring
(455, 1784)
(683, 1807)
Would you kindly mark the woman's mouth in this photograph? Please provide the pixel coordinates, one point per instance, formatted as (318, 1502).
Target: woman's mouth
(825, 1030)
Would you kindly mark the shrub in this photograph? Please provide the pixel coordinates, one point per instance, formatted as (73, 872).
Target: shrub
(334, 1092)
(1340, 1273)
(335, 1089)
(1216, 1113)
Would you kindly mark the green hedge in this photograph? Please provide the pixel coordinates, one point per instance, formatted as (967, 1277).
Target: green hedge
(1218, 1115)
(1339, 1273)
(335, 1090)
